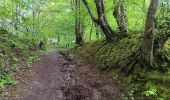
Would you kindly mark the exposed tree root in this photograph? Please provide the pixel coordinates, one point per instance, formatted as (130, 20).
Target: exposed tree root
(160, 63)
(129, 65)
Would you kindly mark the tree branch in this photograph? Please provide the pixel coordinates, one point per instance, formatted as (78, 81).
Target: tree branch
(90, 12)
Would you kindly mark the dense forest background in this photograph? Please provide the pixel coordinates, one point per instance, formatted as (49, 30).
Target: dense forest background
(129, 36)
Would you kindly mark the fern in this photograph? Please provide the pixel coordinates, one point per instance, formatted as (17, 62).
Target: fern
(151, 89)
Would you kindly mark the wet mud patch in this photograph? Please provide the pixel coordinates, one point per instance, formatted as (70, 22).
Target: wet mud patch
(85, 82)
(77, 92)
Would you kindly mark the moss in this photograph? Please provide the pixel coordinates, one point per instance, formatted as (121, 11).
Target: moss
(161, 82)
(111, 56)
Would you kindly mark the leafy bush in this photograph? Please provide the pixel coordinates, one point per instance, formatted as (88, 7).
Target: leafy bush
(151, 90)
(5, 78)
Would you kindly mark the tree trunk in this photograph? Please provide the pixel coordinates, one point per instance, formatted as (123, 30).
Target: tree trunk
(101, 20)
(91, 30)
(148, 38)
(97, 31)
(120, 15)
(16, 19)
(58, 38)
(79, 24)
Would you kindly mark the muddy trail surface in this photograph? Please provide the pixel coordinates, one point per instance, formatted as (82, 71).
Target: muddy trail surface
(58, 76)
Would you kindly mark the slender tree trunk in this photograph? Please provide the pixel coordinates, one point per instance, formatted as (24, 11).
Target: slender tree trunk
(19, 18)
(101, 33)
(13, 21)
(97, 31)
(58, 39)
(79, 24)
(148, 39)
(91, 31)
(16, 18)
(120, 15)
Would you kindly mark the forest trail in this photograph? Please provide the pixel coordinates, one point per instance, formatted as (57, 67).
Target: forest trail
(44, 84)
(55, 77)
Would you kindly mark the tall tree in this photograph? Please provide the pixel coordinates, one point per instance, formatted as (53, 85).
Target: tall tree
(101, 20)
(78, 24)
(97, 31)
(148, 38)
(91, 30)
(120, 15)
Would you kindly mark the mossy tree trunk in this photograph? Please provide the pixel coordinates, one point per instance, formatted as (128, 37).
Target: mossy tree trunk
(101, 20)
(120, 15)
(148, 38)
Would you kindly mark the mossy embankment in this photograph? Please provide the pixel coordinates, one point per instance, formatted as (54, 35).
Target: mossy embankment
(112, 57)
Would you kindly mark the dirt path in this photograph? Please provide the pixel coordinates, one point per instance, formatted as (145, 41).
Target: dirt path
(56, 77)
(44, 84)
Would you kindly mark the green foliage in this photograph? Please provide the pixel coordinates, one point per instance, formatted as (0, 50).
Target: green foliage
(27, 22)
(5, 78)
(167, 49)
(34, 56)
(163, 18)
(13, 51)
(151, 90)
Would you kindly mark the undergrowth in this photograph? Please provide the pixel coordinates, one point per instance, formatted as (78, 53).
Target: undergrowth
(142, 83)
(14, 50)
(111, 55)
(5, 78)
